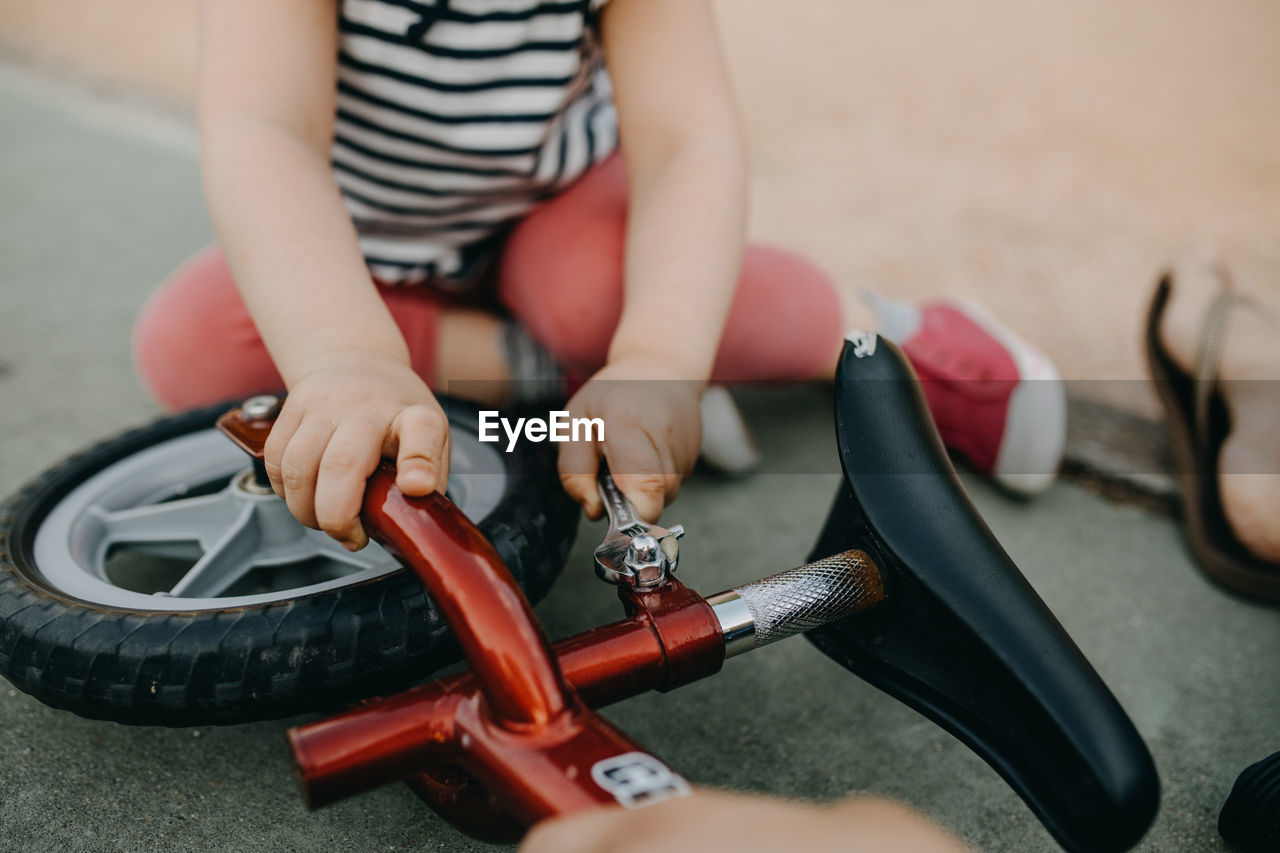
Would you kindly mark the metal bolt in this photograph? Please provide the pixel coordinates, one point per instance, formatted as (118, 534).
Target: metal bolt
(645, 561)
(260, 408)
(643, 549)
(255, 482)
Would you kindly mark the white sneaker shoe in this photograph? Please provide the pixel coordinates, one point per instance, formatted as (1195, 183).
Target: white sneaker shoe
(995, 398)
(727, 445)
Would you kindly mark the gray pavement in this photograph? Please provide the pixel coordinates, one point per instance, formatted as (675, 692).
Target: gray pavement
(98, 201)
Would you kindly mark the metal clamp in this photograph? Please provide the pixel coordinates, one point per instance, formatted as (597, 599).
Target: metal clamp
(634, 552)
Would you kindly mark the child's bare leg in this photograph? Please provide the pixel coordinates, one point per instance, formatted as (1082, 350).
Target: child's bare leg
(1249, 465)
(469, 359)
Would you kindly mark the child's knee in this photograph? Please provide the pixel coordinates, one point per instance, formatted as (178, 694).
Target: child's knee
(194, 342)
(785, 322)
(770, 273)
(169, 341)
(564, 284)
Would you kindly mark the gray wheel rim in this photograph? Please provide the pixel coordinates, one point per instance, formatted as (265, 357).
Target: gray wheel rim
(232, 536)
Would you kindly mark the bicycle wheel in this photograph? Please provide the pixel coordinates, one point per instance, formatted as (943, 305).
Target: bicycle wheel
(148, 581)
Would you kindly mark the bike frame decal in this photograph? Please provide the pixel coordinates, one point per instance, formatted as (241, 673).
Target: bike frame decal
(637, 779)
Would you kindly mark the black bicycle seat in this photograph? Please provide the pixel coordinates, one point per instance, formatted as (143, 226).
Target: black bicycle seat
(962, 637)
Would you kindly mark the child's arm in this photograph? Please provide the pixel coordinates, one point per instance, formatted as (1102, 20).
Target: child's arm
(687, 167)
(266, 106)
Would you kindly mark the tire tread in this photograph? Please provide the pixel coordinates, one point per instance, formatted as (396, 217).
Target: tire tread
(252, 663)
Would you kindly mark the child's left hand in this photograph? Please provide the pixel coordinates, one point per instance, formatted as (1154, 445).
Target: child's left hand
(652, 429)
(686, 220)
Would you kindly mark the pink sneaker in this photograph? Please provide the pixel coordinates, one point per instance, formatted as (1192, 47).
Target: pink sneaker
(996, 399)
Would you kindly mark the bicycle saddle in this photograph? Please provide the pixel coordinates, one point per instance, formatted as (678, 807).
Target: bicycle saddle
(962, 637)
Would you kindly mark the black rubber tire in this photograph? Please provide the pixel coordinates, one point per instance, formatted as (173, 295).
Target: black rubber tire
(258, 662)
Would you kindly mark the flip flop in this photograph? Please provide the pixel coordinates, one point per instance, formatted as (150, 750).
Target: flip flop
(1199, 422)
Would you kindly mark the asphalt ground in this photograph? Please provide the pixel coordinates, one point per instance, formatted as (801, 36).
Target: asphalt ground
(99, 200)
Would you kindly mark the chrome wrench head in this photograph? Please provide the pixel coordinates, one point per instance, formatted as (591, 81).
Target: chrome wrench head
(633, 552)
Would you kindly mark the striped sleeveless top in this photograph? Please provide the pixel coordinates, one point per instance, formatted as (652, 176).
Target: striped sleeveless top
(456, 117)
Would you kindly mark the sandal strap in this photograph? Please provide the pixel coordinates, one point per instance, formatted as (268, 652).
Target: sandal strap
(1213, 339)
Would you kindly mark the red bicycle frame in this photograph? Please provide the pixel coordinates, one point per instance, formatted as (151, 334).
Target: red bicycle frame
(962, 638)
(514, 740)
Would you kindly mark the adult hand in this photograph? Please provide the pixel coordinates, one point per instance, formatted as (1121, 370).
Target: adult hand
(712, 820)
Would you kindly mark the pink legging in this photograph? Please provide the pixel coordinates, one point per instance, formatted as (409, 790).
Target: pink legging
(561, 277)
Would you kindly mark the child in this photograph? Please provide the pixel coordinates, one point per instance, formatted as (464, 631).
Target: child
(379, 169)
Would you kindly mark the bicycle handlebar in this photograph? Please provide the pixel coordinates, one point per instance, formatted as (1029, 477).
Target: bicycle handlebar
(798, 600)
(966, 641)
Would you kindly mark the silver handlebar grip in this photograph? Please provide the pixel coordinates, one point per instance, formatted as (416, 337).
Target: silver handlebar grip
(796, 600)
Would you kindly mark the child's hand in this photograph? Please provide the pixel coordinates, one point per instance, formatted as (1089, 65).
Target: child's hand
(652, 428)
(340, 418)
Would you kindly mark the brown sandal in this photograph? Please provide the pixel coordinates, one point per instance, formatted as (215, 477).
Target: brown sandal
(1198, 424)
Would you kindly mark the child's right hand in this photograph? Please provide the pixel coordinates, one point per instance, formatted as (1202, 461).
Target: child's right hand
(342, 416)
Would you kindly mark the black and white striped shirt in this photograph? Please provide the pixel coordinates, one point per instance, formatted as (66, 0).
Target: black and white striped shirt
(456, 117)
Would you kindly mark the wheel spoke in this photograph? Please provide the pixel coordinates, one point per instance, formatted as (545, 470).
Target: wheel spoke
(203, 519)
(370, 557)
(225, 562)
(177, 550)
